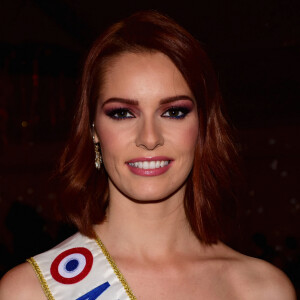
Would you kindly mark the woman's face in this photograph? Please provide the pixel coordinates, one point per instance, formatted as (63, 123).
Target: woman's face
(147, 125)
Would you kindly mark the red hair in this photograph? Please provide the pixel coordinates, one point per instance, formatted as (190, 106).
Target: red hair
(209, 190)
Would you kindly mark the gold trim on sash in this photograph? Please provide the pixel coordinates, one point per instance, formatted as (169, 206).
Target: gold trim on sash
(41, 278)
(116, 270)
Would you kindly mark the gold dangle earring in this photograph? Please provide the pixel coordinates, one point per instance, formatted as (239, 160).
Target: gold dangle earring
(98, 157)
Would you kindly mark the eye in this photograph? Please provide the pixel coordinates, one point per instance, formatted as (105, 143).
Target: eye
(176, 113)
(120, 113)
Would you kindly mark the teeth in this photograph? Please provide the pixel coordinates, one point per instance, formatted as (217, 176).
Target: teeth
(150, 164)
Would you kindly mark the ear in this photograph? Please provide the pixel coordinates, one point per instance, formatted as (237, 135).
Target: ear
(94, 134)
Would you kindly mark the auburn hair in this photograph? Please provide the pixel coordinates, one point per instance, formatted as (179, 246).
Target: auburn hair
(209, 190)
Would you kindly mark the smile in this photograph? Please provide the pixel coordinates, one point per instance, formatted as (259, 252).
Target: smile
(153, 166)
(150, 164)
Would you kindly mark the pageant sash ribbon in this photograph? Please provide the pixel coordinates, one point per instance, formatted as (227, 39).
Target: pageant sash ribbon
(80, 268)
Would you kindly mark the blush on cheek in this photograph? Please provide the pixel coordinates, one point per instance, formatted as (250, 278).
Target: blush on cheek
(113, 140)
(190, 136)
(109, 140)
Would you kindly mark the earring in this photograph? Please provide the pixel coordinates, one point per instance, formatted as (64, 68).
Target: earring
(98, 157)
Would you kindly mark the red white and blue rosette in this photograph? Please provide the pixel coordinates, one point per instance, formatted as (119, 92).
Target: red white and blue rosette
(72, 265)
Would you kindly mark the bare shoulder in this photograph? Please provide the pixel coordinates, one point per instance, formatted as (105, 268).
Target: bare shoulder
(257, 279)
(21, 283)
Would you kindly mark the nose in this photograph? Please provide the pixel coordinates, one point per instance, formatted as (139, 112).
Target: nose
(149, 135)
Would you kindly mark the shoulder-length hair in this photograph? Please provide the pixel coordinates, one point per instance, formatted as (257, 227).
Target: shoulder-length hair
(209, 185)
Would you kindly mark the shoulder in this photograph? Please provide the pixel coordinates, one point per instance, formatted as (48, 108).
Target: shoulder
(21, 283)
(265, 281)
(257, 279)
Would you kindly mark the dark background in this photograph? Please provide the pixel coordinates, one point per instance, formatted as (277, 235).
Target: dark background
(254, 46)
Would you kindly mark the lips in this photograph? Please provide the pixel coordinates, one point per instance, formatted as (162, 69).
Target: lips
(150, 164)
(153, 166)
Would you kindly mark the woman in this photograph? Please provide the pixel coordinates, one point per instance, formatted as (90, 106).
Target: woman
(148, 173)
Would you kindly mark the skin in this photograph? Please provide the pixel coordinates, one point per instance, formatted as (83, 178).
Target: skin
(156, 250)
(147, 131)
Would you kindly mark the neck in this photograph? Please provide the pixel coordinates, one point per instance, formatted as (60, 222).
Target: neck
(146, 229)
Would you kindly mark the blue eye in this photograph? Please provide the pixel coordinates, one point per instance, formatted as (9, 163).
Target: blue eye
(120, 114)
(176, 113)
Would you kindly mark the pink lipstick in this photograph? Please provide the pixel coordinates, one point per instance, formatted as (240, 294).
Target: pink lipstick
(149, 166)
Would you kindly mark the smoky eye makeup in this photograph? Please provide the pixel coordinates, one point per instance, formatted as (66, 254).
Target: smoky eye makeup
(176, 112)
(177, 109)
(119, 113)
(171, 109)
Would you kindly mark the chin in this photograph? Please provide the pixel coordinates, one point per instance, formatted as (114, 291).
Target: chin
(152, 194)
(151, 199)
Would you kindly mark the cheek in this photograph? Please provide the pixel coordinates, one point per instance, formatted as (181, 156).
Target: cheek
(113, 139)
(191, 136)
(108, 139)
(111, 143)
(186, 138)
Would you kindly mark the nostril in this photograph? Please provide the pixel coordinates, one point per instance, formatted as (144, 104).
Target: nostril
(149, 137)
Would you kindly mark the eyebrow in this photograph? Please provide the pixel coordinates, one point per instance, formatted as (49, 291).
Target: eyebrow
(136, 103)
(121, 100)
(175, 98)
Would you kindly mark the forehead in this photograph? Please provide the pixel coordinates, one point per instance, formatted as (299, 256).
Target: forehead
(136, 75)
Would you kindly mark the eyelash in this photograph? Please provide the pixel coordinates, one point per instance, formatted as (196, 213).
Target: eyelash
(112, 113)
(179, 109)
(182, 111)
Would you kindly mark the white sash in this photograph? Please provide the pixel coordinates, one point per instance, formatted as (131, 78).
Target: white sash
(80, 268)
